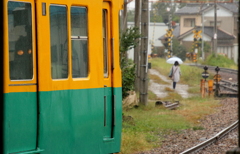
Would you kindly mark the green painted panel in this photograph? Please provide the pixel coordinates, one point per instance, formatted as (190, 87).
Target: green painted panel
(20, 122)
(108, 111)
(72, 121)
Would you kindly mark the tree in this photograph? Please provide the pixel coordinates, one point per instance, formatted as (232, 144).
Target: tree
(161, 11)
(178, 49)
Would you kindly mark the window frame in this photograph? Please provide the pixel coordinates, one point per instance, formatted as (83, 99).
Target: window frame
(21, 53)
(80, 38)
(67, 44)
(105, 43)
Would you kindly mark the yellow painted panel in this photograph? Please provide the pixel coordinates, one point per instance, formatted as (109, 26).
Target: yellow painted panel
(95, 78)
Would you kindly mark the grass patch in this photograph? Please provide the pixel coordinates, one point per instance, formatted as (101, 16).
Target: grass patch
(157, 79)
(149, 123)
(196, 108)
(194, 90)
(220, 61)
(152, 96)
(172, 96)
(133, 142)
(198, 128)
(169, 89)
(160, 65)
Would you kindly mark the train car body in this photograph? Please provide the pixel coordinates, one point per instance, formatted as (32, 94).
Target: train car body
(61, 77)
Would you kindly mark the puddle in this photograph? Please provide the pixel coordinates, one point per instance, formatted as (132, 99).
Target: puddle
(159, 89)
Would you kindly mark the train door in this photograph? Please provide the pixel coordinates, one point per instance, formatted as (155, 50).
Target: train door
(20, 78)
(107, 63)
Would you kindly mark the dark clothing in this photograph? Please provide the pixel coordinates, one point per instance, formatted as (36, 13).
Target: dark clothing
(22, 66)
(174, 85)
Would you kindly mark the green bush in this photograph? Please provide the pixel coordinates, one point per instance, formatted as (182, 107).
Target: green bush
(127, 42)
(128, 77)
(179, 50)
(220, 61)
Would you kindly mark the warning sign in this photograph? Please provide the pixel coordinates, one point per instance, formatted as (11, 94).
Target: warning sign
(205, 75)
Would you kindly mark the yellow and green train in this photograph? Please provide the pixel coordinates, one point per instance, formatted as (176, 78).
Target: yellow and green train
(61, 90)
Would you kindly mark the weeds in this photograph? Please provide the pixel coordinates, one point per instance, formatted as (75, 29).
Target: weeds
(157, 79)
(220, 61)
(145, 127)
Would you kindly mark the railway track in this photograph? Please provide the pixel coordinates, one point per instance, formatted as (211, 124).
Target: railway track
(212, 140)
(226, 70)
(228, 86)
(212, 68)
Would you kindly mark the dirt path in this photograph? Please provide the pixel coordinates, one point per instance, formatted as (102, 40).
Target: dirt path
(159, 89)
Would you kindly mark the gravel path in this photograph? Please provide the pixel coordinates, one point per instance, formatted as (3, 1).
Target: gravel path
(159, 89)
(223, 116)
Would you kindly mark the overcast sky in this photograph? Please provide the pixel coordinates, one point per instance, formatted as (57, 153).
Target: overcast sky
(131, 5)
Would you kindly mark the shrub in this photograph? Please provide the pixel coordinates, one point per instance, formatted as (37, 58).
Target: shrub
(127, 42)
(220, 61)
(128, 76)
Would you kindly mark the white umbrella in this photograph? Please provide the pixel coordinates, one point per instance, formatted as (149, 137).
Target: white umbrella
(173, 59)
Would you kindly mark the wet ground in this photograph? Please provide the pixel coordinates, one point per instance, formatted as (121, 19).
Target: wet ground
(159, 89)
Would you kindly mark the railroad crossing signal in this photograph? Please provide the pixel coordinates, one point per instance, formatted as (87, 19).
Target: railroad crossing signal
(168, 42)
(188, 55)
(197, 38)
(194, 57)
(168, 39)
(169, 53)
(169, 33)
(205, 74)
(217, 77)
(197, 34)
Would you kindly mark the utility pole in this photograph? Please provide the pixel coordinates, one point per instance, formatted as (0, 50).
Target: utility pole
(203, 55)
(125, 16)
(137, 48)
(215, 30)
(144, 54)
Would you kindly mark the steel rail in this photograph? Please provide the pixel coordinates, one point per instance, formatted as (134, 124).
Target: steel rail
(216, 138)
(228, 70)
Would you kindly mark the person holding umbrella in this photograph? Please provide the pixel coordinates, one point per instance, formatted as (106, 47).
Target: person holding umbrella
(175, 73)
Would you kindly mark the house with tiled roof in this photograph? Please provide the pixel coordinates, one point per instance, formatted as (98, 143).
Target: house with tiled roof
(201, 17)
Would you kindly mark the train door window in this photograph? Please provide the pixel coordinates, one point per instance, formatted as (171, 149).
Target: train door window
(79, 39)
(20, 40)
(105, 44)
(59, 41)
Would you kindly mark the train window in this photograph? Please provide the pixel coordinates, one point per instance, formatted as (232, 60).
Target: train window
(59, 41)
(105, 44)
(20, 40)
(79, 39)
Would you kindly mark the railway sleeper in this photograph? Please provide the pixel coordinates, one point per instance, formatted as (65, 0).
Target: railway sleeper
(168, 104)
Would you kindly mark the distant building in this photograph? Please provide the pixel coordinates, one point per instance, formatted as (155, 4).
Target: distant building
(155, 30)
(201, 17)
